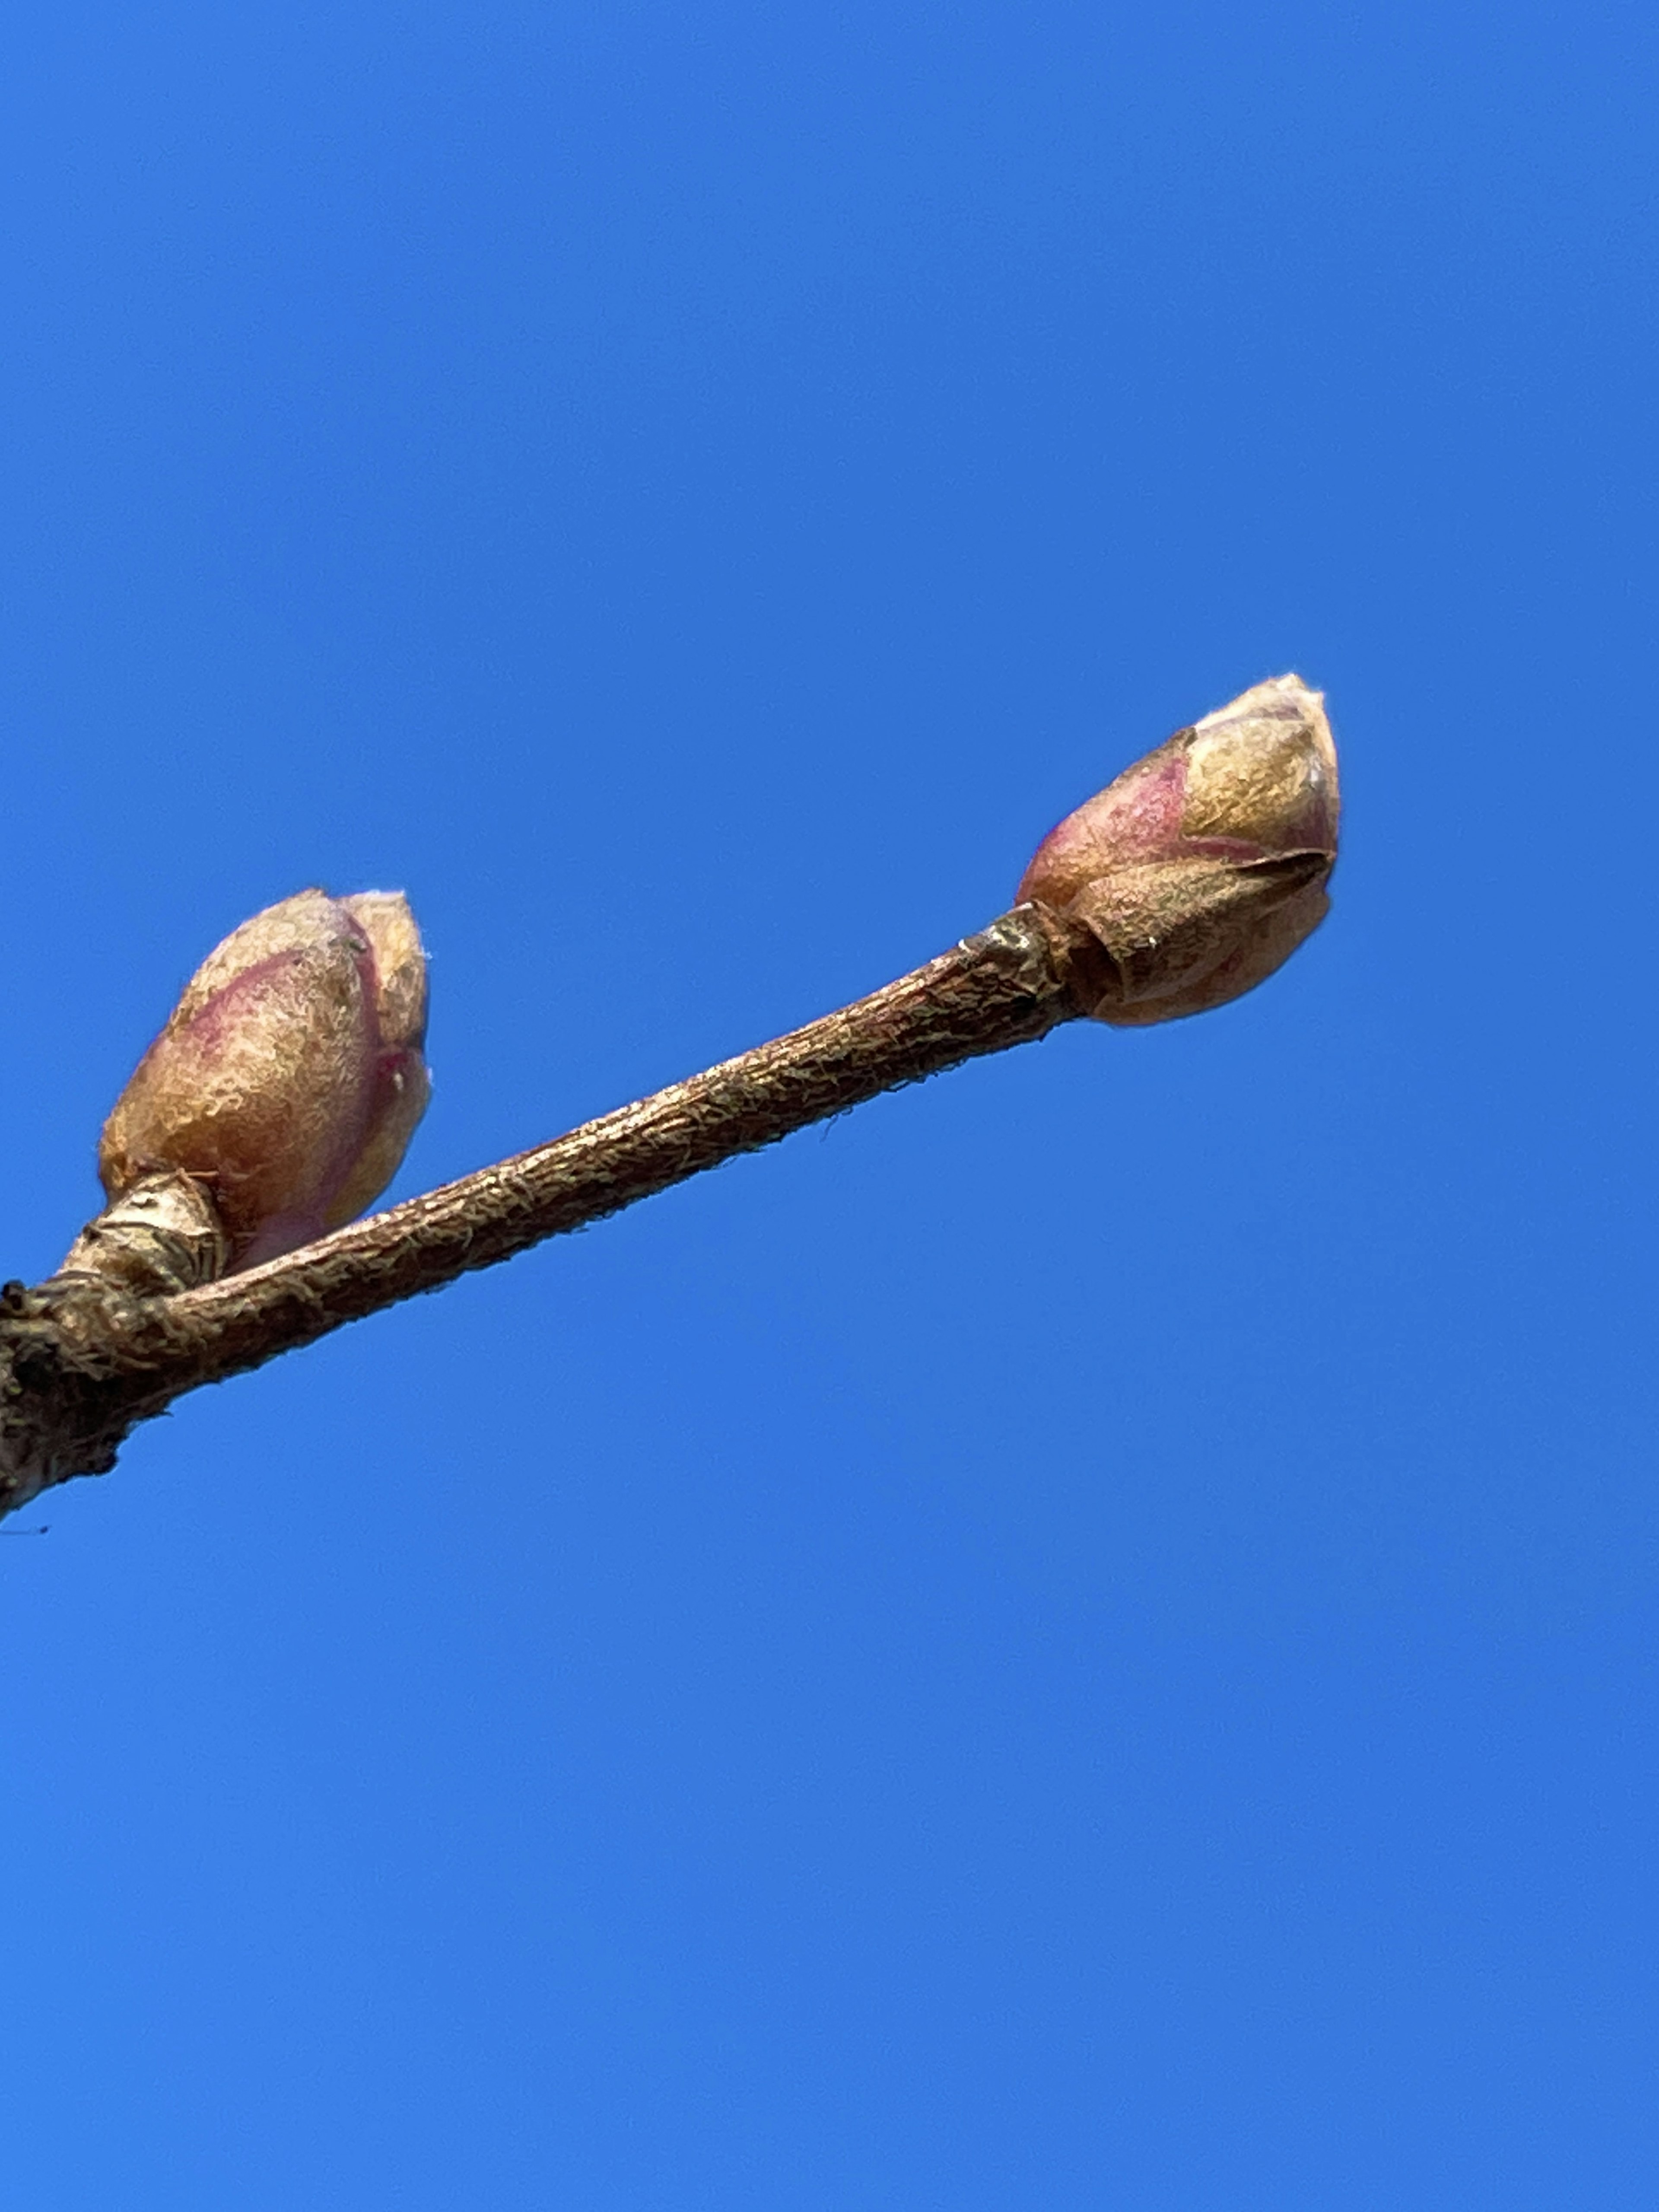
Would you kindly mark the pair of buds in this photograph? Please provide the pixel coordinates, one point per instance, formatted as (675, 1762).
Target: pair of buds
(278, 1101)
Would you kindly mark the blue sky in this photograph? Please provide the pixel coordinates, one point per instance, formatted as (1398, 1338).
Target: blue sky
(1089, 1636)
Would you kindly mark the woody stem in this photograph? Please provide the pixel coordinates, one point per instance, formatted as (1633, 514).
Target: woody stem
(82, 1360)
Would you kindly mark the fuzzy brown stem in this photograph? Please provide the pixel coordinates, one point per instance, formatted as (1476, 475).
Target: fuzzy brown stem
(82, 1359)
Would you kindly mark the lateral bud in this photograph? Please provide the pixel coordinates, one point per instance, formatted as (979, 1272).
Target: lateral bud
(276, 1104)
(1202, 867)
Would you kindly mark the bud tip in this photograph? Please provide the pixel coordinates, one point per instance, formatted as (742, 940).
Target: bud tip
(1202, 867)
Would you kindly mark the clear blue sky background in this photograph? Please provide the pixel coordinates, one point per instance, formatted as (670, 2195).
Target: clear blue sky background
(1088, 1638)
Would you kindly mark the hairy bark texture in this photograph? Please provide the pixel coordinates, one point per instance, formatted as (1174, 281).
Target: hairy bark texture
(85, 1356)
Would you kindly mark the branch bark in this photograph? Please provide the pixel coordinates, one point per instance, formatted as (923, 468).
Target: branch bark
(83, 1359)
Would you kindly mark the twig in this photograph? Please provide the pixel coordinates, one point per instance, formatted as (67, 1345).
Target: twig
(82, 1360)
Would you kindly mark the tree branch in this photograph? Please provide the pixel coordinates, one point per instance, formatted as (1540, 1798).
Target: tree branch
(82, 1359)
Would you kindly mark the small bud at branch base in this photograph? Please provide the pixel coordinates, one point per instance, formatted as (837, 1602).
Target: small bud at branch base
(287, 1083)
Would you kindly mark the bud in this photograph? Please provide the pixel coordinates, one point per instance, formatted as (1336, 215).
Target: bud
(289, 1078)
(1204, 865)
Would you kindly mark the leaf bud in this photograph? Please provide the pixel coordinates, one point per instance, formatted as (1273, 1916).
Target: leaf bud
(289, 1077)
(1203, 867)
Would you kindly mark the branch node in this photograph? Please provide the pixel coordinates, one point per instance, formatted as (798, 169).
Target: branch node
(162, 1235)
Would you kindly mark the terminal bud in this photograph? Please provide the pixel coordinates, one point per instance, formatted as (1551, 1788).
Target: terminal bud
(287, 1084)
(1203, 867)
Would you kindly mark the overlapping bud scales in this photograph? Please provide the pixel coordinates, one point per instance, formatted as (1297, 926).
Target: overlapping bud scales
(1203, 867)
(402, 1084)
(289, 1078)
